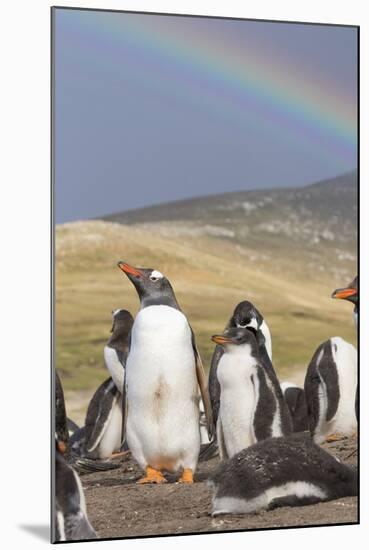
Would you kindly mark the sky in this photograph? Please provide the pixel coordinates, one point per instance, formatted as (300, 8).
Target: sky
(153, 108)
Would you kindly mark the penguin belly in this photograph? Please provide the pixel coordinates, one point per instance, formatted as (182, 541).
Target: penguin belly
(237, 402)
(345, 358)
(114, 366)
(112, 438)
(162, 392)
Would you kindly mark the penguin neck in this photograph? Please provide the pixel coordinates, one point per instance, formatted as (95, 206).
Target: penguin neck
(170, 301)
(355, 314)
(118, 341)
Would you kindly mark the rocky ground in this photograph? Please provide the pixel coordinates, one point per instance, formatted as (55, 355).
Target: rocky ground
(118, 507)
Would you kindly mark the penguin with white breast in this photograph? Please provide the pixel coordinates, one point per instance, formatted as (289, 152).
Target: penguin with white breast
(162, 377)
(330, 389)
(102, 433)
(296, 403)
(70, 517)
(245, 315)
(351, 294)
(282, 471)
(250, 408)
(116, 349)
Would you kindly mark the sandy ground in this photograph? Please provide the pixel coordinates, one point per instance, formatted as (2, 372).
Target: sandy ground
(118, 507)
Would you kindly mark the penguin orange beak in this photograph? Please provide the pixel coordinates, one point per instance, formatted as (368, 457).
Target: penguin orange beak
(220, 339)
(130, 270)
(343, 293)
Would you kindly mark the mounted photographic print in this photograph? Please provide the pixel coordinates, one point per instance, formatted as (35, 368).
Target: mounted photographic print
(206, 296)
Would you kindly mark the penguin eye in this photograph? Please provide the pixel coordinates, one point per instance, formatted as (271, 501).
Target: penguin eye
(153, 279)
(243, 323)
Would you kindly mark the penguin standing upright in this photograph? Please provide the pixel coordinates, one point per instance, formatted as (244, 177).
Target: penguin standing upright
(250, 408)
(70, 515)
(102, 434)
(330, 387)
(281, 471)
(245, 315)
(296, 403)
(116, 349)
(163, 373)
(351, 293)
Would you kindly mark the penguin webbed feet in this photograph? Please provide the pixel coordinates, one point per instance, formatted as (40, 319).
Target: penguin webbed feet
(187, 476)
(152, 476)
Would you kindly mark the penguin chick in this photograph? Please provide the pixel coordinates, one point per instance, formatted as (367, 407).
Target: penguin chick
(281, 471)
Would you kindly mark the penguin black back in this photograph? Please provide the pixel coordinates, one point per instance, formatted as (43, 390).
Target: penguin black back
(283, 471)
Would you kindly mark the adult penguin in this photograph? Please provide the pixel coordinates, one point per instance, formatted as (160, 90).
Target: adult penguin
(351, 294)
(163, 373)
(116, 348)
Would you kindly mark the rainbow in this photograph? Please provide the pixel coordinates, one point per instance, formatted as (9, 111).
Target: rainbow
(220, 76)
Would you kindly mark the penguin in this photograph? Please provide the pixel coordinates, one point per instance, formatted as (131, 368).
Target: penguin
(351, 294)
(70, 519)
(330, 387)
(72, 427)
(102, 434)
(162, 377)
(61, 422)
(296, 403)
(281, 471)
(116, 349)
(244, 315)
(250, 408)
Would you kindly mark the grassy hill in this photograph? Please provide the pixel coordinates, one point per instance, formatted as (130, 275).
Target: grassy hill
(283, 249)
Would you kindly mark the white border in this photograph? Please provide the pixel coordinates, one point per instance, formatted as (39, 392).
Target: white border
(24, 401)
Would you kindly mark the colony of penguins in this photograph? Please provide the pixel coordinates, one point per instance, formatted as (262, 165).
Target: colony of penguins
(158, 406)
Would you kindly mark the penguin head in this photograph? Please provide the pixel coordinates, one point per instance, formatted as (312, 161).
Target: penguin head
(246, 315)
(122, 321)
(235, 338)
(151, 285)
(349, 293)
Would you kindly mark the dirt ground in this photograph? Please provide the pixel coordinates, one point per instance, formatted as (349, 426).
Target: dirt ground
(118, 507)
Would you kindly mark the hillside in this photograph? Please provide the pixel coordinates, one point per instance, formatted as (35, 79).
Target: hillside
(283, 249)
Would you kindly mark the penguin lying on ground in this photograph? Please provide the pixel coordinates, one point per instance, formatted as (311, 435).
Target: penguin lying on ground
(330, 388)
(163, 373)
(283, 471)
(351, 293)
(70, 519)
(250, 408)
(244, 315)
(296, 403)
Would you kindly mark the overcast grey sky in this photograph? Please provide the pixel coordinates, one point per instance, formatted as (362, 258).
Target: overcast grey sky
(150, 109)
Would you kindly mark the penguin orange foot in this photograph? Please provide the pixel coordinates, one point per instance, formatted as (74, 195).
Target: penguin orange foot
(152, 476)
(187, 476)
(334, 437)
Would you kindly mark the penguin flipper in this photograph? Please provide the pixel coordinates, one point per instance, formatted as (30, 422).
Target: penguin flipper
(98, 413)
(201, 380)
(124, 413)
(214, 386)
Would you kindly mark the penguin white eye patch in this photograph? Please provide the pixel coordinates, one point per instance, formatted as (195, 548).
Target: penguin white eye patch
(155, 275)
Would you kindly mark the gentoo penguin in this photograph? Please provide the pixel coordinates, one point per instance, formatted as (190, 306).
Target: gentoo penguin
(163, 373)
(61, 423)
(250, 408)
(116, 349)
(281, 471)
(244, 315)
(70, 520)
(351, 294)
(102, 434)
(330, 387)
(296, 403)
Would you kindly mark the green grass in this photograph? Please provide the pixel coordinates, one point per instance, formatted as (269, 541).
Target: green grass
(209, 275)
